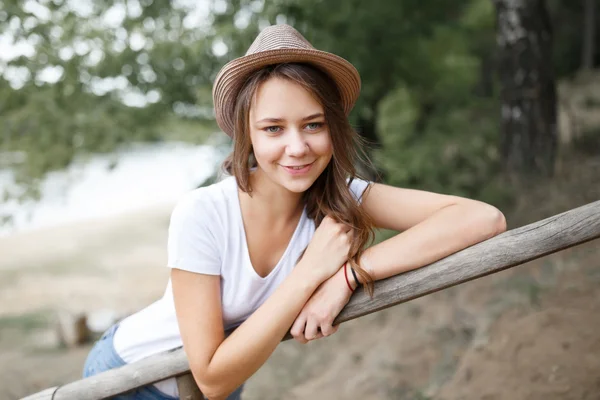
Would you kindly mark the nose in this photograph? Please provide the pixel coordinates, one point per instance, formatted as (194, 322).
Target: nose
(297, 145)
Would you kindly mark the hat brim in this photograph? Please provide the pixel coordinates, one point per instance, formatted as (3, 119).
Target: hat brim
(234, 74)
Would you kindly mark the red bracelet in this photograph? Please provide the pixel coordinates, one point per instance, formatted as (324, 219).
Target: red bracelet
(346, 276)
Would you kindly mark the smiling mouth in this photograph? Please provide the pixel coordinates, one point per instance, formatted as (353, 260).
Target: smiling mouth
(297, 167)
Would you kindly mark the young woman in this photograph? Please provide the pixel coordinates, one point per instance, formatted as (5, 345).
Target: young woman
(280, 244)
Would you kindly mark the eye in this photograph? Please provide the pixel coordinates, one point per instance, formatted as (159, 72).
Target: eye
(313, 126)
(272, 129)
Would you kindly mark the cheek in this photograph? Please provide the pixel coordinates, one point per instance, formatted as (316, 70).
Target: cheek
(322, 145)
(266, 151)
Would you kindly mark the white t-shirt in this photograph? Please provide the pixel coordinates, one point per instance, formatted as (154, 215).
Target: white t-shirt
(206, 235)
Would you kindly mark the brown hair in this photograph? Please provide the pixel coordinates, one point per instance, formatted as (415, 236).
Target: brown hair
(330, 193)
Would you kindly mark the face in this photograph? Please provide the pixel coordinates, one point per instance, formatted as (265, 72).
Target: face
(289, 135)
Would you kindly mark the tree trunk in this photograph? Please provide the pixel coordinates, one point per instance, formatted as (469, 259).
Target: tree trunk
(529, 130)
(589, 34)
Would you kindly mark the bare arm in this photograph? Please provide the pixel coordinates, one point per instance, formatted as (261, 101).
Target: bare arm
(220, 365)
(432, 226)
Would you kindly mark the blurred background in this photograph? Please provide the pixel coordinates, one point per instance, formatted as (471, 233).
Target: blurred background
(106, 119)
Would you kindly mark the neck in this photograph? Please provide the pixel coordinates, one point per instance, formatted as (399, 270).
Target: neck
(274, 202)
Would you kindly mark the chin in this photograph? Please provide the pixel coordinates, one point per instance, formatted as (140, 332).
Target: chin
(297, 186)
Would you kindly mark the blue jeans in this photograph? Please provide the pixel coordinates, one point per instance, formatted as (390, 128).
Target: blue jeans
(103, 357)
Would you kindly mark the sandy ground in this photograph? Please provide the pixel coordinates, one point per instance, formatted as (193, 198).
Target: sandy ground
(107, 263)
(532, 332)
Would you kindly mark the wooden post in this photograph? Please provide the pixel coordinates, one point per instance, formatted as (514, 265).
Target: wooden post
(188, 389)
(507, 250)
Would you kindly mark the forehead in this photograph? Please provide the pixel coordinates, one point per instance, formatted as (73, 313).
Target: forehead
(282, 98)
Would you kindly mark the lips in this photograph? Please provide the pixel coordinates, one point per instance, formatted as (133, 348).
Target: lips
(298, 169)
(297, 166)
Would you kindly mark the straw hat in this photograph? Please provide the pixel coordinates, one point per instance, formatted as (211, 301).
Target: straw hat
(275, 45)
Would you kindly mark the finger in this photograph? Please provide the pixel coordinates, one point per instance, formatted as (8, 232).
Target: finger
(341, 227)
(301, 340)
(327, 329)
(312, 330)
(297, 330)
(327, 220)
(319, 336)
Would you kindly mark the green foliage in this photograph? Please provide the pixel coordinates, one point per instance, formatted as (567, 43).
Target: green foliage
(51, 126)
(177, 129)
(382, 40)
(442, 136)
(427, 71)
(455, 152)
(428, 86)
(567, 18)
(83, 107)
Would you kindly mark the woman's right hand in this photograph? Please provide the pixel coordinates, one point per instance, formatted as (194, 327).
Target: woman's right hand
(328, 249)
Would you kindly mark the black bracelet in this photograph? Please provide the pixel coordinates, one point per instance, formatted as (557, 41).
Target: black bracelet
(355, 278)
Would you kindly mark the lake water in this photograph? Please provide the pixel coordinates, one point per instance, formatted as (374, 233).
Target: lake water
(135, 177)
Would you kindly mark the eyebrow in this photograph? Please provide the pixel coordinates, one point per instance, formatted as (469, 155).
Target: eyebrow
(278, 120)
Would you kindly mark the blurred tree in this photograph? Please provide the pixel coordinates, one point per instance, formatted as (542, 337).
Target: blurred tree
(109, 72)
(92, 76)
(568, 19)
(382, 39)
(453, 149)
(589, 34)
(528, 117)
(428, 95)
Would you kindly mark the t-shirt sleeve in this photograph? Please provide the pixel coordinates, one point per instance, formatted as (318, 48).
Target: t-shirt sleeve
(358, 187)
(192, 244)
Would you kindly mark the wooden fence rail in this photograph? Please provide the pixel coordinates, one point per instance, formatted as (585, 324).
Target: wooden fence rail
(507, 250)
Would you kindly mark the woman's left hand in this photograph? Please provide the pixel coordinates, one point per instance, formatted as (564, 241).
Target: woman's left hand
(316, 318)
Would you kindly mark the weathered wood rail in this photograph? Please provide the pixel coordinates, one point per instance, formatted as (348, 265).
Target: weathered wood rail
(507, 250)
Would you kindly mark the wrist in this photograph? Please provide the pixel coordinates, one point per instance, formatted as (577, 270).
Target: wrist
(365, 264)
(347, 279)
(355, 276)
(311, 276)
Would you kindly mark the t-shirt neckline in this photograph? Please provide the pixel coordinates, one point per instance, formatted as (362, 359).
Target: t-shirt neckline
(290, 245)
